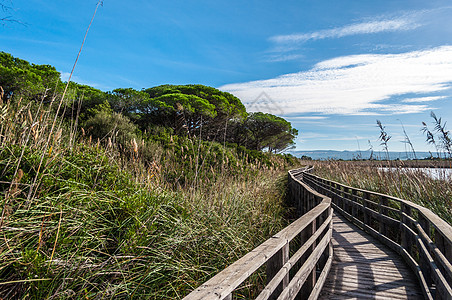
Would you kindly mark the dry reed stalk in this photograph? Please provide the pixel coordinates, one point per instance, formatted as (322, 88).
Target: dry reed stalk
(56, 239)
(2, 93)
(10, 194)
(61, 102)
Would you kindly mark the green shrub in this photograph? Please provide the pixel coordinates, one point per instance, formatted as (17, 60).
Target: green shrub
(111, 125)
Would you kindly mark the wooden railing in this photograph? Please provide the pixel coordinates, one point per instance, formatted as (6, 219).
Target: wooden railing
(421, 237)
(297, 259)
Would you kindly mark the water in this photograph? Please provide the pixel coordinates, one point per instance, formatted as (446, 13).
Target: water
(434, 173)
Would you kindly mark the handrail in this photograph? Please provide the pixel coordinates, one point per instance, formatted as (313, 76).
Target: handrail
(422, 238)
(304, 271)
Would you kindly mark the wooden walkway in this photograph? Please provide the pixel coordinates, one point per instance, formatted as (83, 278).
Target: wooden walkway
(404, 253)
(363, 268)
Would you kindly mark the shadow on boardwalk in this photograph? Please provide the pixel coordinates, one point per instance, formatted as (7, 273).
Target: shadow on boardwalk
(363, 268)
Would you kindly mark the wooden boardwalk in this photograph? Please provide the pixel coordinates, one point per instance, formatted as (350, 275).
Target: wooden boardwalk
(404, 253)
(363, 268)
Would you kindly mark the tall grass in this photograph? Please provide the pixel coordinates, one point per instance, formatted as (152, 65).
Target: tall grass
(414, 186)
(84, 218)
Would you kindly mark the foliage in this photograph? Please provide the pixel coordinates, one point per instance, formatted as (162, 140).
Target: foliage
(189, 110)
(443, 135)
(104, 125)
(440, 137)
(190, 107)
(384, 138)
(430, 137)
(149, 219)
(128, 101)
(82, 99)
(408, 141)
(413, 186)
(19, 78)
(262, 131)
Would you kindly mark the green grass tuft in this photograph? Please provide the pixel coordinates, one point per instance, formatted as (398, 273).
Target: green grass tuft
(151, 219)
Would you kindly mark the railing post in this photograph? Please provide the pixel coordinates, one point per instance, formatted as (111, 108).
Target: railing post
(311, 201)
(311, 280)
(327, 188)
(443, 245)
(425, 224)
(274, 264)
(439, 241)
(351, 201)
(333, 193)
(300, 200)
(365, 213)
(304, 203)
(336, 195)
(424, 264)
(341, 195)
(404, 234)
(344, 197)
(448, 251)
(382, 228)
(290, 190)
(354, 206)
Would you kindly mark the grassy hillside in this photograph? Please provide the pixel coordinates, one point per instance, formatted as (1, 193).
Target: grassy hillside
(127, 214)
(84, 219)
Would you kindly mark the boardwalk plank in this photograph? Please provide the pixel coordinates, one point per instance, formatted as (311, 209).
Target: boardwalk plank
(363, 268)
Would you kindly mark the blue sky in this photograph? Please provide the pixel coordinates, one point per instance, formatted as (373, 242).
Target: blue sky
(330, 67)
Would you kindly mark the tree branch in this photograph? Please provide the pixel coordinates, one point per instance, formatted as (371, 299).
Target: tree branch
(7, 19)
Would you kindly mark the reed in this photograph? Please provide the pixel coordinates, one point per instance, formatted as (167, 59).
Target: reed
(415, 186)
(142, 219)
(128, 215)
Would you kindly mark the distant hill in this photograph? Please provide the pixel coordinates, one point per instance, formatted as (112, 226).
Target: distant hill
(350, 155)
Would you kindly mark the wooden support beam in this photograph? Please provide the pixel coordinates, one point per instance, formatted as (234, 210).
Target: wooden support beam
(274, 264)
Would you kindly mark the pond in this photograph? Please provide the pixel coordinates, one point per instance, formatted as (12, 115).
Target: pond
(434, 173)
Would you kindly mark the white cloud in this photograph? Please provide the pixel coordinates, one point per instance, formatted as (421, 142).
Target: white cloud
(309, 118)
(423, 99)
(396, 24)
(356, 85)
(283, 57)
(65, 77)
(344, 138)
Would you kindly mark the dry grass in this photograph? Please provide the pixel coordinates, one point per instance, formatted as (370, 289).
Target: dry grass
(97, 219)
(413, 186)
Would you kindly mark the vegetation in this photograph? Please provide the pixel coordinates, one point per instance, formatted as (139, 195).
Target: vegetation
(19, 78)
(261, 131)
(109, 198)
(392, 178)
(384, 138)
(440, 134)
(414, 186)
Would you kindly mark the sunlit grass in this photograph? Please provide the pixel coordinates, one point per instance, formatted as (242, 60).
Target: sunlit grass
(413, 186)
(97, 219)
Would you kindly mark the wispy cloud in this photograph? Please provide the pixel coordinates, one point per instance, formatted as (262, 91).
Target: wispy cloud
(283, 57)
(286, 47)
(327, 137)
(396, 24)
(309, 118)
(358, 84)
(423, 99)
(317, 120)
(65, 77)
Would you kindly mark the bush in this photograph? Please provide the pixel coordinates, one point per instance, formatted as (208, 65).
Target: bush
(114, 125)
